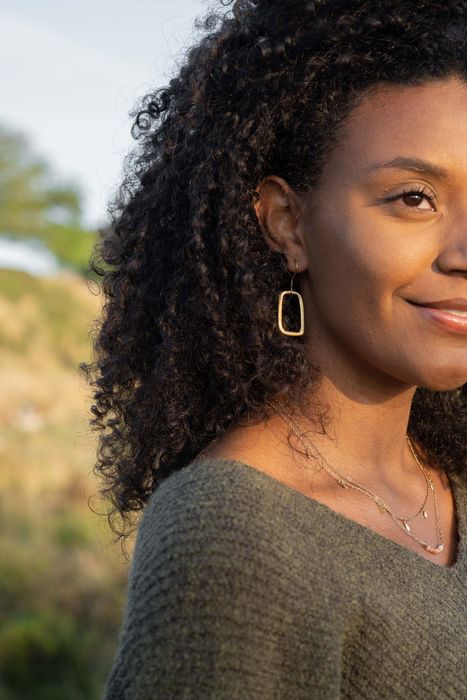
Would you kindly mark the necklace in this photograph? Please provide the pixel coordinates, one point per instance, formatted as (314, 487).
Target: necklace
(346, 482)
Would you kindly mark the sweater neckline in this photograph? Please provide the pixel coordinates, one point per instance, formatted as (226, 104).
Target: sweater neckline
(459, 493)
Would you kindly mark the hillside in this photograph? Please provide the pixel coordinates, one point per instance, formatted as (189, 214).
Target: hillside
(62, 582)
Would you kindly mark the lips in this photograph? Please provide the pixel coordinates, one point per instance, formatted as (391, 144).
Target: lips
(445, 314)
(457, 304)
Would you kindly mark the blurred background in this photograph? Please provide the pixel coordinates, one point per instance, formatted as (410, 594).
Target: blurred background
(69, 74)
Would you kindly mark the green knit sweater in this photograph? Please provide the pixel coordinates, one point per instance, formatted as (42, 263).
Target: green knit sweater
(241, 588)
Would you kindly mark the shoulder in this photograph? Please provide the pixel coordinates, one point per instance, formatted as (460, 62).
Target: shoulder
(225, 533)
(216, 596)
(223, 507)
(218, 507)
(219, 491)
(211, 513)
(199, 510)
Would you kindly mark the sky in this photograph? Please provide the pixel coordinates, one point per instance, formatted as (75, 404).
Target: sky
(71, 71)
(29, 255)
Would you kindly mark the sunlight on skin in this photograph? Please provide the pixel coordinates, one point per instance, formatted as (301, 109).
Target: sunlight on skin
(382, 249)
(368, 243)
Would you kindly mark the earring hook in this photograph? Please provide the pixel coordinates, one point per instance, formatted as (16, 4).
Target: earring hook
(293, 275)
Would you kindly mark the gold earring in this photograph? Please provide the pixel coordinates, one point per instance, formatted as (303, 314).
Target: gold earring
(280, 309)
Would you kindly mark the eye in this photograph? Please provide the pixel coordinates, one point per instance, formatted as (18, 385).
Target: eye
(416, 195)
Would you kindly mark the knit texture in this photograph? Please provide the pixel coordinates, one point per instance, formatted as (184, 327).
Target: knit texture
(241, 587)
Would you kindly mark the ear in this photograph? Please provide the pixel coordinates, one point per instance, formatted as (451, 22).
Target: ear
(278, 209)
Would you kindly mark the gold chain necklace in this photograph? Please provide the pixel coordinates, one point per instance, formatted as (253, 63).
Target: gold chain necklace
(346, 481)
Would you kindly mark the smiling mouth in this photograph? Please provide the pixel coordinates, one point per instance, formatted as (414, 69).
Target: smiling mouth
(451, 320)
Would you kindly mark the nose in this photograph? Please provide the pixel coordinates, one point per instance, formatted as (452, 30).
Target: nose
(452, 258)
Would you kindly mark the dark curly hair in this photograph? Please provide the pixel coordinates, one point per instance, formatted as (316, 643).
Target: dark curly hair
(188, 341)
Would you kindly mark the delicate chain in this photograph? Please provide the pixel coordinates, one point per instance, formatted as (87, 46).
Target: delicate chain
(440, 546)
(346, 481)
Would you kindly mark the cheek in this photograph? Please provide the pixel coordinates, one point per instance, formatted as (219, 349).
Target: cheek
(352, 265)
(359, 283)
(361, 274)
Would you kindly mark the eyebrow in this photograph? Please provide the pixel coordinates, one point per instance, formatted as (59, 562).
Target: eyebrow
(415, 164)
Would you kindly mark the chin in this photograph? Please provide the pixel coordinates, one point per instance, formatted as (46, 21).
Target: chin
(437, 372)
(440, 383)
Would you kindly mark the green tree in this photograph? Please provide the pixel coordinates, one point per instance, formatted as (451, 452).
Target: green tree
(34, 205)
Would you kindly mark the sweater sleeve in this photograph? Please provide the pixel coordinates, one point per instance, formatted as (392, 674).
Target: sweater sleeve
(215, 610)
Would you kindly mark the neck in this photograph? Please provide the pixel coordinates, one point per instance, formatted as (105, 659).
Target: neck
(364, 433)
(366, 411)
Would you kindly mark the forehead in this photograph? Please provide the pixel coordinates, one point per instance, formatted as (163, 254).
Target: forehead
(425, 121)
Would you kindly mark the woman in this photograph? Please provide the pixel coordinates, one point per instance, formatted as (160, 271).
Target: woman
(299, 458)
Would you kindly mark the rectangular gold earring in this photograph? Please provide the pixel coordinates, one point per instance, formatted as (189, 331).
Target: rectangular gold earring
(302, 313)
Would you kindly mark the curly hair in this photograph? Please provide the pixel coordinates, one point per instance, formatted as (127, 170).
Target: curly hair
(188, 341)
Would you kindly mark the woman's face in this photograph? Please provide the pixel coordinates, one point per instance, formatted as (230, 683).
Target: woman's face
(372, 252)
